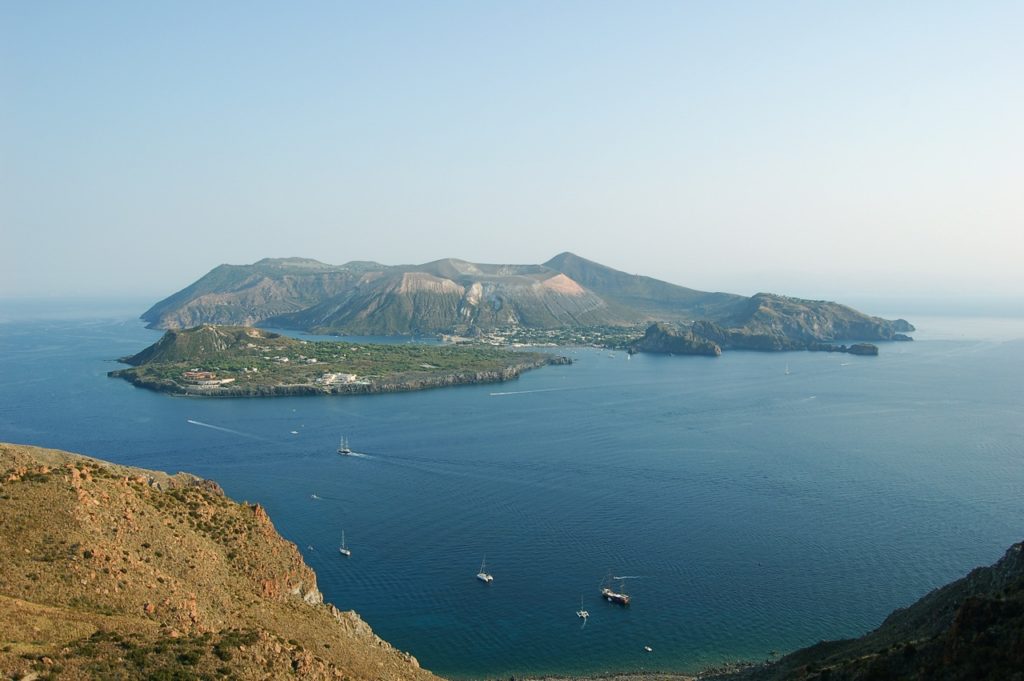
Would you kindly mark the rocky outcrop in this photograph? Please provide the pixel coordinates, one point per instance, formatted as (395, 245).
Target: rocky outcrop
(662, 338)
(862, 349)
(117, 572)
(202, 342)
(773, 340)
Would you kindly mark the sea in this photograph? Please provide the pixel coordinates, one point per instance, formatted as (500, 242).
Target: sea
(749, 504)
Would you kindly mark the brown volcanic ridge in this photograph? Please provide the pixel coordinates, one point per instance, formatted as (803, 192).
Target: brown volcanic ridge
(111, 572)
(459, 297)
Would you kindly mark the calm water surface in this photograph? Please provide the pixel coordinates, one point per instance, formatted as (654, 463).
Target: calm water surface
(751, 510)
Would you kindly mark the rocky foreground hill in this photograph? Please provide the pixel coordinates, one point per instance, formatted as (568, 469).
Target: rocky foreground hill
(459, 297)
(110, 572)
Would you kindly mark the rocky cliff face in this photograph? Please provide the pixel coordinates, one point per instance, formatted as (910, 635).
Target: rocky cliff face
(806, 320)
(116, 572)
(703, 338)
(662, 338)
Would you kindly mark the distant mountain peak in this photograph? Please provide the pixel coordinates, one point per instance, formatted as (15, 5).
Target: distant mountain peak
(567, 256)
(450, 268)
(294, 262)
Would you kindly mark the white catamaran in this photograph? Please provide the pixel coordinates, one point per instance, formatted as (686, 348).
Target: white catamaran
(483, 576)
(343, 448)
(581, 613)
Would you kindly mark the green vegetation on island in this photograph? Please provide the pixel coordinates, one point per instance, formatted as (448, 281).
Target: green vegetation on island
(233, 361)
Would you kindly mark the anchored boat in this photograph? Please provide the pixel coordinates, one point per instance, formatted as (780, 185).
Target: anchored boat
(581, 613)
(620, 597)
(344, 550)
(483, 575)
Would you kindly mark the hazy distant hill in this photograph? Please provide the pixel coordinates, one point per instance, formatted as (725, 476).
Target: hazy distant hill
(245, 294)
(455, 296)
(653, 298)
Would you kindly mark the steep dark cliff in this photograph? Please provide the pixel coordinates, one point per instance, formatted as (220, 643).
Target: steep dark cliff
(662, 338)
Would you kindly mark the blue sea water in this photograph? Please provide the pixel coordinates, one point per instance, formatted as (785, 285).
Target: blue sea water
(751, 510)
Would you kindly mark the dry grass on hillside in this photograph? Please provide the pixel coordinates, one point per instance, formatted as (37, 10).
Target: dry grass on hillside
(116, 572)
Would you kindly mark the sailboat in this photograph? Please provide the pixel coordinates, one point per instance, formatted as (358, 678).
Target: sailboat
(482, 575)
(787, 369)
(343, 448)
(581, 613)
(344, 550)
(620, 596)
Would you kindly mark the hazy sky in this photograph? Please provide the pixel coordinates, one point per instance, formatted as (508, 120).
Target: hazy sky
(814, 148)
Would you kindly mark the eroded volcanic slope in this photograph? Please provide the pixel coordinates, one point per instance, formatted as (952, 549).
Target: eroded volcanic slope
(122, 573)
(455, 296)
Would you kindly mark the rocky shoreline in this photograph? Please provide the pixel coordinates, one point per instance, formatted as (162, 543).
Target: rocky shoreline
(721, 671)
(707, 338)
(408, 382)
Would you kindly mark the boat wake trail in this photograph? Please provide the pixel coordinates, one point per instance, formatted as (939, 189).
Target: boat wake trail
(629, 577)
(226, 430)
(527, 392)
